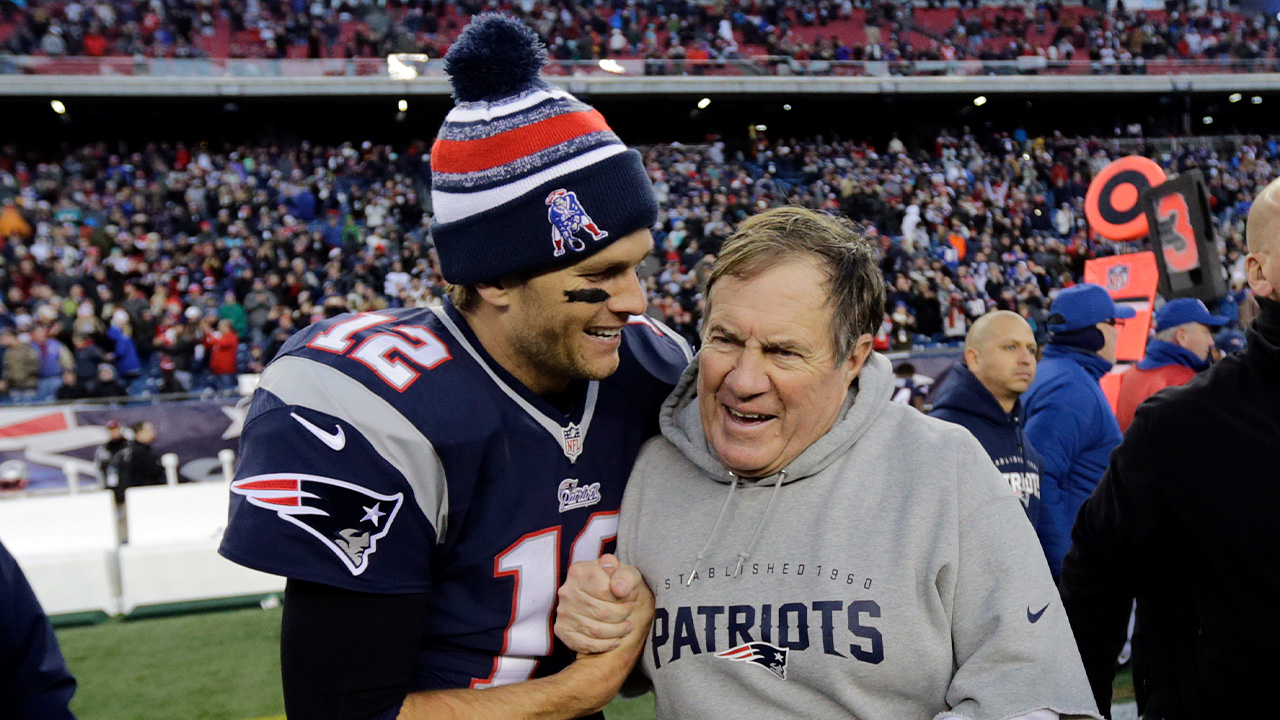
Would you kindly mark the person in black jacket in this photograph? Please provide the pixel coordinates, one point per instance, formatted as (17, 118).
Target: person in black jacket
(137, 463)
(1185, 520)
(106, 452)
(982, 393)
(34, 681)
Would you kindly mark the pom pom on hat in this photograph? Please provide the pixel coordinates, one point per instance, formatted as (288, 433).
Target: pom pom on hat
(495, 56)
(525, 176)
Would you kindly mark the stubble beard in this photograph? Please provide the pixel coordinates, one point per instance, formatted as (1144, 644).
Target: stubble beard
(551, 353)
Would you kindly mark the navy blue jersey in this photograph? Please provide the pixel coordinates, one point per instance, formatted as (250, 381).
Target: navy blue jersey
(388, 453)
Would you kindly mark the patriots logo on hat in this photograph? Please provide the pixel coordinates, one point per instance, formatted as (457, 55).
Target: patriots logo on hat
(769, 657)
(567, 218)
(348, 519)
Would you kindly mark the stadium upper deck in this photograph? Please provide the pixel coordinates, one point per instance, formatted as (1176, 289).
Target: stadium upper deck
(737, 37)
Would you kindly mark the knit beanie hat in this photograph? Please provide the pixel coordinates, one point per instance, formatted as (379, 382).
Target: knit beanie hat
(525, 177)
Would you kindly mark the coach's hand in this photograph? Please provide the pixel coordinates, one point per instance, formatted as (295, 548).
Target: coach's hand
(601, 603)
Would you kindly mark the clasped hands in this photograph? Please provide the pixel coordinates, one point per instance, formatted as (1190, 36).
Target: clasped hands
(604, 606)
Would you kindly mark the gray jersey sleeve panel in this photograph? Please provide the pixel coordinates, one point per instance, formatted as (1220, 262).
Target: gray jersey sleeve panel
(299, 381)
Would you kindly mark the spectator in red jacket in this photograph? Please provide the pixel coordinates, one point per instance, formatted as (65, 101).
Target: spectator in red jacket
(1181, 348)
(223, 347)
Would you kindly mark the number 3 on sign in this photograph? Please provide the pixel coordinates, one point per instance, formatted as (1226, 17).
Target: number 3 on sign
(534, 562)
(385, 353)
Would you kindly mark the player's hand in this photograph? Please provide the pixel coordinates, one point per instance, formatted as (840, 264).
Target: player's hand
(607, 671)
(596, 604)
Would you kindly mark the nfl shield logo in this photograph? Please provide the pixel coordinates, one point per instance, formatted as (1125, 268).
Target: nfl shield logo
(1118, 277)
(572, 442)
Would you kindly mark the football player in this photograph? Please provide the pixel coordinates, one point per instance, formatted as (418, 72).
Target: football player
(424, 478)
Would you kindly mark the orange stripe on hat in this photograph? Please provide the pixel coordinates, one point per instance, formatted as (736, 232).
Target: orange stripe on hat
(464, 156)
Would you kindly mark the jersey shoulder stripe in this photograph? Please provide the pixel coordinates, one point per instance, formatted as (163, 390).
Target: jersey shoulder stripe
(661, 351)
(307, 383)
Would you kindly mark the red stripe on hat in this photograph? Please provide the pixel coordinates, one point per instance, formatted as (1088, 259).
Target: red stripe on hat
(464, 156)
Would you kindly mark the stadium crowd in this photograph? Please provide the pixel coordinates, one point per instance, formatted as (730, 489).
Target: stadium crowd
(167, 268)
(666, 34)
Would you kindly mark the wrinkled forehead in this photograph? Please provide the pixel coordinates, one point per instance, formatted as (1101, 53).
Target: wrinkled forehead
(797, 313)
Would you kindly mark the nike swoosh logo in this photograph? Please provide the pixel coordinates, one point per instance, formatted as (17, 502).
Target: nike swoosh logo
(335, 440)
(1034, 617)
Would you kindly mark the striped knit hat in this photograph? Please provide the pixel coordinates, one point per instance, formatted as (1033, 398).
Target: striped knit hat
(525, 176)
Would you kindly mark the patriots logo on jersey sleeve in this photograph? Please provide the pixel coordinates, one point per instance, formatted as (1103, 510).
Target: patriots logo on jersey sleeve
(348, 519)
(769, 657)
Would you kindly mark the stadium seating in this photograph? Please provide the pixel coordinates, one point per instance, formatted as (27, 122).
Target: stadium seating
(66, 546)
(172, 553)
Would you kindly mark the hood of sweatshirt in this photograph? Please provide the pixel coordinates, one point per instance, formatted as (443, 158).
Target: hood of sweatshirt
(682, 424)
(964, 392)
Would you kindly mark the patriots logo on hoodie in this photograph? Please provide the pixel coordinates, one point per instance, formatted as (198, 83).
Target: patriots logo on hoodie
(769, 657)
(348, 519)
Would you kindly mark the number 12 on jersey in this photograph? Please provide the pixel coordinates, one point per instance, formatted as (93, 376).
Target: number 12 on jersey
(385, 353)
(534, 562)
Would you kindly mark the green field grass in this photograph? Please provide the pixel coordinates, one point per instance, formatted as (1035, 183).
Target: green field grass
(214, 666)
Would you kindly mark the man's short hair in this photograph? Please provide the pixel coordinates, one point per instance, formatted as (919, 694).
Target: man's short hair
(464, 297)
(839, 249)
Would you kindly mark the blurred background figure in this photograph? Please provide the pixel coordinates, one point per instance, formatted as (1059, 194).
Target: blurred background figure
(169, 381)
(21, 376)
(1227, 342)
(15, 476)
(108, 386)
(983, 393)
(905, 388)
(1068, 418)
(1183, 346)
(137, 463)
(116, 441)
(71, 388)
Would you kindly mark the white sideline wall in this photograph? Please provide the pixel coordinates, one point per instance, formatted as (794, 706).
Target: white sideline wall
(66, 546)
(172, 553)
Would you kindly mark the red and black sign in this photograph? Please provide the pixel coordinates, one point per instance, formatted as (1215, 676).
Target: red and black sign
(1186, 253)
(1112, 204)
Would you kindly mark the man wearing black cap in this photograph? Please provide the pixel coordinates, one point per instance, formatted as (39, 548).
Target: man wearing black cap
(425, 477)
(1185, 522)
(1182, 347)
(1068, 418)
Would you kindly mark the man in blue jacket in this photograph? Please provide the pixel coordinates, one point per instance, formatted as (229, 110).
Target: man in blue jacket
(34, 681)
(982, 393)
(1068, 418)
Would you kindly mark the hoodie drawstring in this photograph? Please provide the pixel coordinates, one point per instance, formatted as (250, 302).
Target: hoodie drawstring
(745, 555)
(715, 526)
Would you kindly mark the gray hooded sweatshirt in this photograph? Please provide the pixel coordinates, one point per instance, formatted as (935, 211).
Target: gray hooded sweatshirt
(888, 573)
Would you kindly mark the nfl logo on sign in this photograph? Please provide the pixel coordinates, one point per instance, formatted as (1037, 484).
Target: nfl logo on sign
(572, 442)
(1118, 277)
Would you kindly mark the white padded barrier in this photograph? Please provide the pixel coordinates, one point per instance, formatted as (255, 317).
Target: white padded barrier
(172, 553)
(66, 546)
